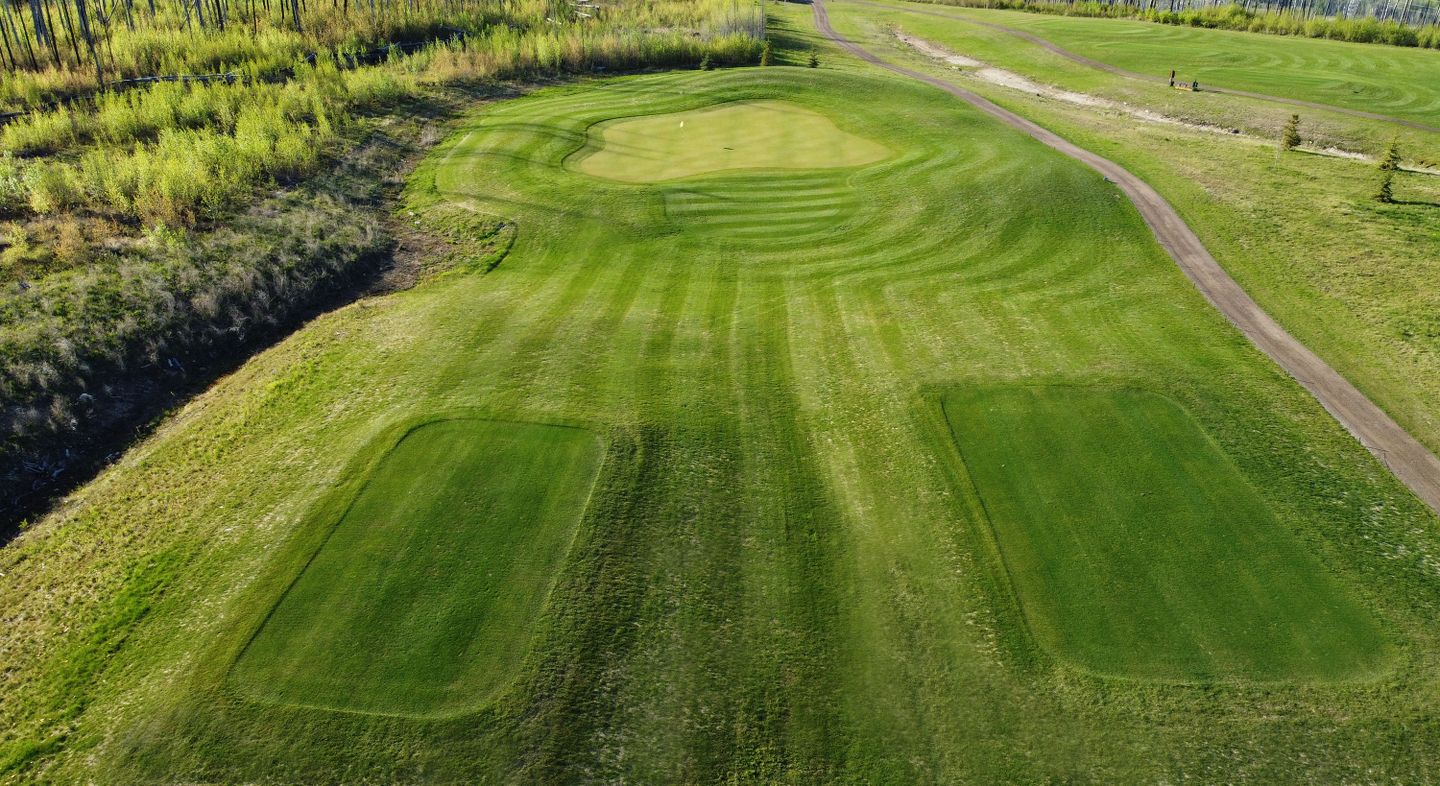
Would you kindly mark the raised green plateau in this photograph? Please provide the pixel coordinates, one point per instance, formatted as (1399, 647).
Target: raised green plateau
(738, 135)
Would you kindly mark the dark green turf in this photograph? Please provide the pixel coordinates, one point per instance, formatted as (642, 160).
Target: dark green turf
(1138, 549)
(422, 599)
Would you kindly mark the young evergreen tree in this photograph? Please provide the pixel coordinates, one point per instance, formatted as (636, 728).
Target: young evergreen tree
(1389, 165)
(1290, 137)
(765, 55)
(814, 59)
(705, 64)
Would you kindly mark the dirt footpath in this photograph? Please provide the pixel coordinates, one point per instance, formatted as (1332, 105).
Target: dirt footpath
(1411, 462)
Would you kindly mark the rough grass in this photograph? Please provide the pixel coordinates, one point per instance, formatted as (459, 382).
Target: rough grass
(1139, 550)
(423, 598)
(1394, 81)
(779, 577)
(741, 135)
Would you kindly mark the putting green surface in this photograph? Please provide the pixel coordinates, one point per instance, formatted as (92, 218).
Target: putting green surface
(423, 598)
(738, 135)
(1138, 549)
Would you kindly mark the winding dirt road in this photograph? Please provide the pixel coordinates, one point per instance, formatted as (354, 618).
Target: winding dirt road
(1411, 462)
(1092, 63)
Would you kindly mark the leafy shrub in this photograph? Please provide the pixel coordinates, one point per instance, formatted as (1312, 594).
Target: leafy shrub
(40, 132)
(14, 194)
(52, 187)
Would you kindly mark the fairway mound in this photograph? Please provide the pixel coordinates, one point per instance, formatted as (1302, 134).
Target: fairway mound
(766, 212)
(423, 598)
(1137, 549)
(731, 136)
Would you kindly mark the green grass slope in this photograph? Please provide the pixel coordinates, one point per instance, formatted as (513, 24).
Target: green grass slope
(422, 599)
(1396, 81)
(783, 574)
(1139, 550)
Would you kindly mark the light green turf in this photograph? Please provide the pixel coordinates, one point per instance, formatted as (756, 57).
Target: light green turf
(1397, 81)
(423, 598)
(1138, 549)
(782, 575)
(738, 135)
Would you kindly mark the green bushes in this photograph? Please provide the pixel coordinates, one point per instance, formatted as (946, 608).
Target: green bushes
(173, 153)
(114, 202)
(52, 187)
(14, 194)
(177, 152)
(256, 46)
(40, 132)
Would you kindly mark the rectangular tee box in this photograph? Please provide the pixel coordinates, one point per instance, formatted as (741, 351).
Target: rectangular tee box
(423, 599)
(1138, 549)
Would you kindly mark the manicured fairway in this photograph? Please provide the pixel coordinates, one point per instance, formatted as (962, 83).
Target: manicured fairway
(748, 212)
(1397, 81)
(739, 135)
(423, 598)
(1139, 550)
(783, 574)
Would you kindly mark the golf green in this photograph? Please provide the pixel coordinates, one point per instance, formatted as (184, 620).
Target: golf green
(737, 135)
(422, 599)
(1138, 549)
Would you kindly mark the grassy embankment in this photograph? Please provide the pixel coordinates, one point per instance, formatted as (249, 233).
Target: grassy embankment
(1302, 232)
(783, 571)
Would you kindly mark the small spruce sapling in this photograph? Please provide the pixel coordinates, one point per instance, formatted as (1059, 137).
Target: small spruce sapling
(705, 64)
(1389, 165)
(765, 55)
(814, 59)
(1290, 137)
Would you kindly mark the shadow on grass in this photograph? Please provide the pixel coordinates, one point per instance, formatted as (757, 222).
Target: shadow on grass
(787, 43)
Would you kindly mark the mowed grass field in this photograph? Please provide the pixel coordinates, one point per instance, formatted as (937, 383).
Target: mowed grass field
(784, 571)
(1397, 81)
(423, 598)
(1300, 231)
(1137, 548)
